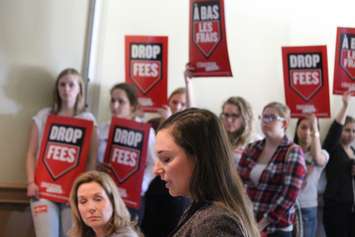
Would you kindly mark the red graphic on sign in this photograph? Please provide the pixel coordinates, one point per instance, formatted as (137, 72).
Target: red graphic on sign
(145, 74)
(124, 162)
(306, 80)
(126, 154)
(60, 159)
(347, 61)
(208, 53)
(206, 35)
(147, 68)
(344, 66)
(63, 156)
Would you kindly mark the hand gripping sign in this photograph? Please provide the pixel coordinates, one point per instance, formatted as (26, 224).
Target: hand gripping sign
(208, 53)
(126, 154)
(146, 67)
(306, 80)
(63, 156)
(344, 66)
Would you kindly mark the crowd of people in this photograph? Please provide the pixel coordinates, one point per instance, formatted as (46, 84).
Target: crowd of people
(205, 175)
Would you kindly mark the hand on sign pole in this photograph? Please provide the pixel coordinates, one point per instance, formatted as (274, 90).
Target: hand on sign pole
(346, 97)
(316, 147)
(313, 120)
(188, 84)
(340, 118)
(165, 112)
(188, 71)
(32, 190)
(107, 168)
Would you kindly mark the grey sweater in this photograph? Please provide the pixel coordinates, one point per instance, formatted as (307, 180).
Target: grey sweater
(208, 220)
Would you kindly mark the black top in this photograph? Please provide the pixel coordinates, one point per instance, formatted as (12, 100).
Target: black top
(339, 187)
(162, 211)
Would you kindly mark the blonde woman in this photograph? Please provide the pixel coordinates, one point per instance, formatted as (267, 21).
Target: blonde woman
(52, 219)
(97, 208)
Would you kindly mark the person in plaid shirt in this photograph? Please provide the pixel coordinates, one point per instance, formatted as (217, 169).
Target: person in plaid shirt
(273, 170)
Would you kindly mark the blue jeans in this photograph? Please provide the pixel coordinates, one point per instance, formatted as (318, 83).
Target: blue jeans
(50, 219)
(309, 221)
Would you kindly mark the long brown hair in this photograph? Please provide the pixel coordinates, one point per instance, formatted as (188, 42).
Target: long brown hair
(120, 217)
(242, 135)
(202, 136)
(80, 100)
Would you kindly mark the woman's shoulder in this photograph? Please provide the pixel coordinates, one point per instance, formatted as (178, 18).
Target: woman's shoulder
(215, 220)
(44, 112)
(125, 232)
(41, 116)
(87, 115)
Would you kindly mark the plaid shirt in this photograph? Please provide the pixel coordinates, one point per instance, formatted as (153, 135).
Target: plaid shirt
(274, 196)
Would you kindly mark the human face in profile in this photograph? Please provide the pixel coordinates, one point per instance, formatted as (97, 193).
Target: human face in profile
(174, 166)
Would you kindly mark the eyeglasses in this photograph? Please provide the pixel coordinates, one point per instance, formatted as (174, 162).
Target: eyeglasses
(233, 116)
(269, 118)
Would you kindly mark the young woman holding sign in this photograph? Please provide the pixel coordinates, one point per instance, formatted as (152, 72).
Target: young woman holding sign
(195, 161)
(273, 170)
(97, 208)
(339, 195)
(123, 104)
(307, 136)
(52, 219)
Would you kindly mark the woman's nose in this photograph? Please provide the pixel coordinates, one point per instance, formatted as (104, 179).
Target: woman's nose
(158, 170)
(92, 208)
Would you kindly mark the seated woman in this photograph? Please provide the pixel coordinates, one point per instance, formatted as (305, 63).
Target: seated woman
(97, 208)
(195, 161)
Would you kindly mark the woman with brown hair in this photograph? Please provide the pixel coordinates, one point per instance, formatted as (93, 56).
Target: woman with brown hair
(97, 208)
(195, 161)
(124, 104)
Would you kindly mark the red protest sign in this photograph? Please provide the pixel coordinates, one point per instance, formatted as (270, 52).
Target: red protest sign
(147, 68)
(63, 156)
(208, 53)
(306, 80)
(344, 66)
(126, 154)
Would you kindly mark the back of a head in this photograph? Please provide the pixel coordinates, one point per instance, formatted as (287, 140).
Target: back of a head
(201, 135)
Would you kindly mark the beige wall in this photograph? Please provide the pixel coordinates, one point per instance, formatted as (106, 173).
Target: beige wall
(38, 38)
(256, 30)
